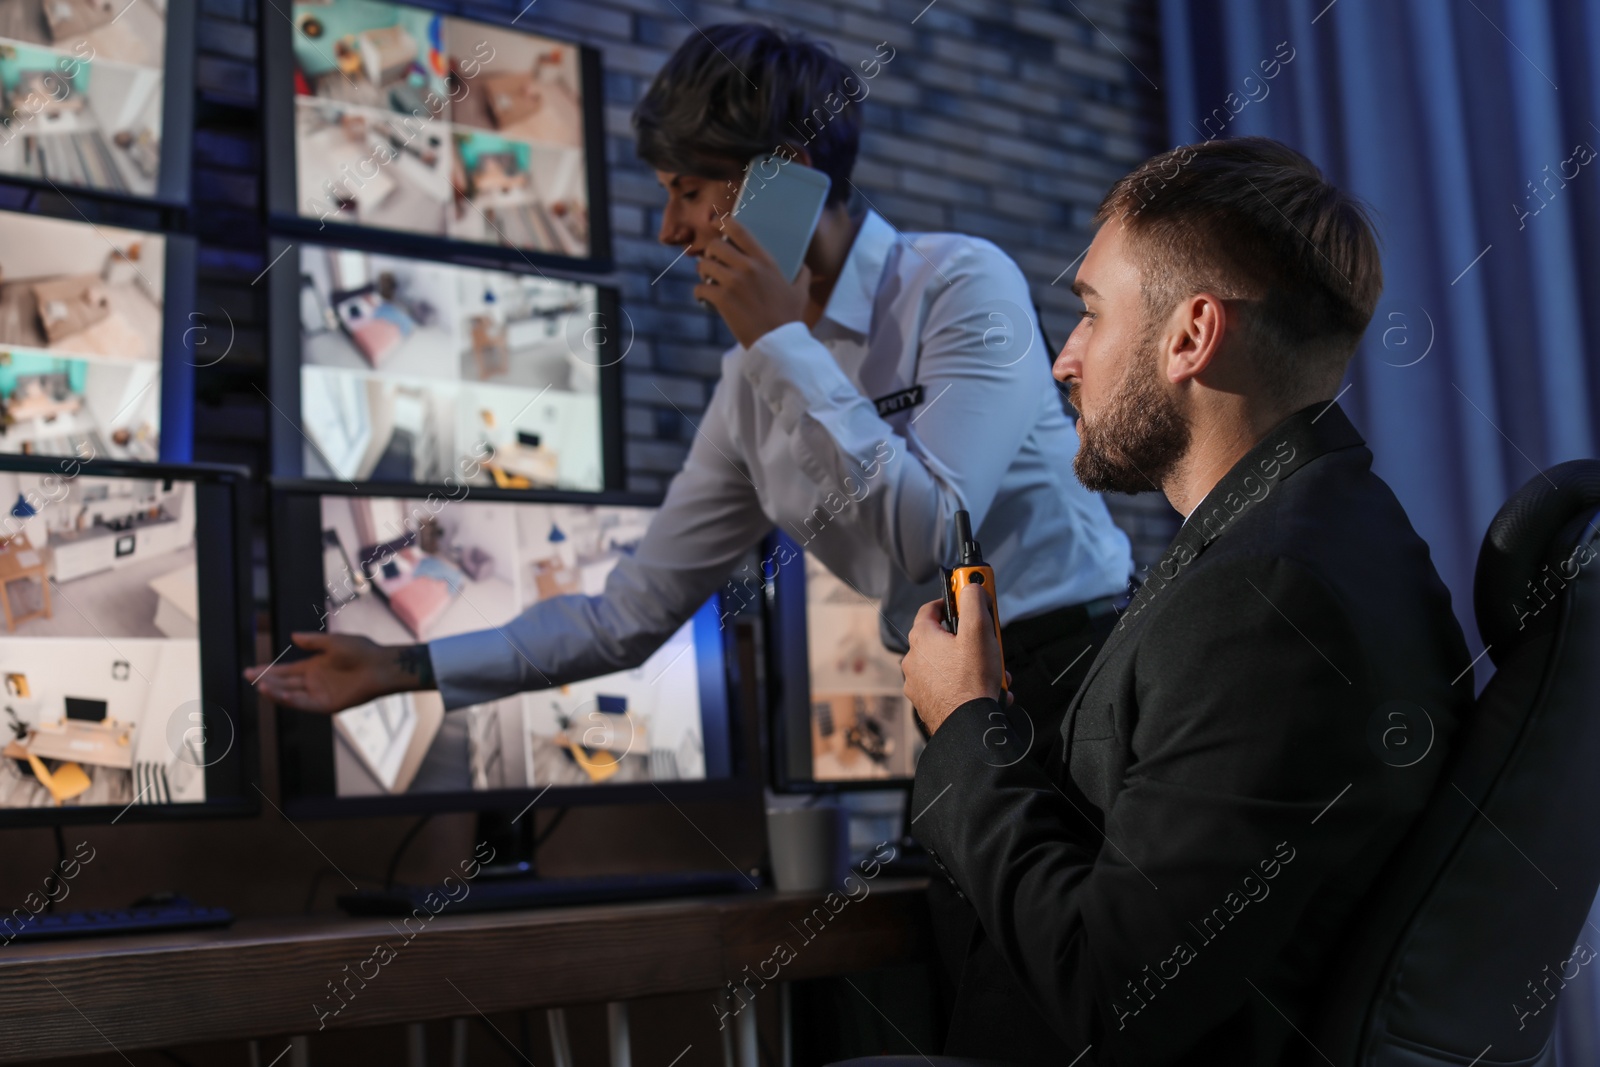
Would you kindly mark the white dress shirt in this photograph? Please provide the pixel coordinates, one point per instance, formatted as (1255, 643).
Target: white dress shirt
(793, 437)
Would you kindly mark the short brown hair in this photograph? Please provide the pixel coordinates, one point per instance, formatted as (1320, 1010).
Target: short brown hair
(1251, 219)
(739, 90)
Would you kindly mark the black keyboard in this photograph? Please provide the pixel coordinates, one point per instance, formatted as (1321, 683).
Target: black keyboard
(494, 894)
(176, 915)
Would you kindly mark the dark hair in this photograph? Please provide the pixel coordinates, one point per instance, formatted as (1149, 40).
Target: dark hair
(1249, 218)
(741, 90)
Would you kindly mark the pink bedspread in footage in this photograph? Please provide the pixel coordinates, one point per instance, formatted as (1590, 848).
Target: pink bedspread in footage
(376, 338)
(419, 602)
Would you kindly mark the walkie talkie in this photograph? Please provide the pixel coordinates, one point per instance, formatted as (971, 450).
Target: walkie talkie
(970, 569)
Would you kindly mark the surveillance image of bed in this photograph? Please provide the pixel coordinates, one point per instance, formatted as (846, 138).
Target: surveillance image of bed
(400, 571)
(84, 109)
(381, 313)
(100, 655)
(418, 372)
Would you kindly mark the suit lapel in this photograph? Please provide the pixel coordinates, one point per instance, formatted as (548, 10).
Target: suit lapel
(1249, 484)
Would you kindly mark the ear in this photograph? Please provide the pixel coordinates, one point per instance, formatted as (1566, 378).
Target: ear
(1195, 334)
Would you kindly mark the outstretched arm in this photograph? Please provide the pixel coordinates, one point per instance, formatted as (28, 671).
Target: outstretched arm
(710, 517)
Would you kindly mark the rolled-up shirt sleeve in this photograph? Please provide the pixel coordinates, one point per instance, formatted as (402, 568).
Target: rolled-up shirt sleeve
(711, 515)
(980, 370)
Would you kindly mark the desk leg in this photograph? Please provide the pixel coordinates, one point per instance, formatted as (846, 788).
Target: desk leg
(727, 1032)
(785, 1026)
(416, 1045)
(749, 1053)
(560, 1046)
(617, 1025)
(458, 1042)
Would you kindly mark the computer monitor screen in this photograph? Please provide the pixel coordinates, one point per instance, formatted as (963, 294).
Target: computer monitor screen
(86, 312)
(407, 120)
(842, 719)
(406, 570)
(405, 370)
(126, 622)
(92, 99)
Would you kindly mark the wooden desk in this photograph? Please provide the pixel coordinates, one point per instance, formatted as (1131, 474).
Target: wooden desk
(263, 977)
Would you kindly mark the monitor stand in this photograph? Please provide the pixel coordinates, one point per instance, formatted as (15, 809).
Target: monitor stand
(510, 879)
(910, 859)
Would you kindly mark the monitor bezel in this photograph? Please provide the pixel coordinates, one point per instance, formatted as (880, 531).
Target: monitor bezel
(285, 433)
(746, 772)
(278, 106)
(221, 672)
(180, 63)
(183, 330)
(789, 681)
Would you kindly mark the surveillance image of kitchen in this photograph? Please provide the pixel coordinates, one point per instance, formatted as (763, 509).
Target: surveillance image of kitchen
(101, 558)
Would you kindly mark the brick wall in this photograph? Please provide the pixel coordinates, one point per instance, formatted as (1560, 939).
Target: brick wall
(1005, 120)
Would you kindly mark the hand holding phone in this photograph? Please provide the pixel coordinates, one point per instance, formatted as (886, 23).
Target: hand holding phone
(754, 276)
(780, 203)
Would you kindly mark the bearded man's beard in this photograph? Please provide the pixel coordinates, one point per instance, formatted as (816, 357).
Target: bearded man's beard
(1137, 437)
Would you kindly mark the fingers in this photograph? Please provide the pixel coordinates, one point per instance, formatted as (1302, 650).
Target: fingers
(713, 270)
(310, 639)
(972, 602)
(726, 252)
(710, 294)
(929, 621)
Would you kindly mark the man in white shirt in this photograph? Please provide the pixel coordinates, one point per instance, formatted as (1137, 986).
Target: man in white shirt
(899, 379)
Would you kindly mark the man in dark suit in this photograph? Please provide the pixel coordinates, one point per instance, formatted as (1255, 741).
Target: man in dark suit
(1274, 706)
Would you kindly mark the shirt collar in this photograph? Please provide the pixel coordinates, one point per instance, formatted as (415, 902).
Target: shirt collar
(850, 304)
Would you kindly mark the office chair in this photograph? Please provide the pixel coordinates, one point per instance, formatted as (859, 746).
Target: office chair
(1458, 954)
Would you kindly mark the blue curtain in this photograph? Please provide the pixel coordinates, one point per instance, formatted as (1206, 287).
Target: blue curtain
(1471, 127)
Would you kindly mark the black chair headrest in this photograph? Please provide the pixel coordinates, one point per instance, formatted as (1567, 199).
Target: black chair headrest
(1534, 547)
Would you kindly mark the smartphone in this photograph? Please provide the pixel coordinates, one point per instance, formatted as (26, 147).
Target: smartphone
(780, 203)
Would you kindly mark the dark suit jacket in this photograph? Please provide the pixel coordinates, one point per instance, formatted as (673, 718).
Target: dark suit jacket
(1247, 749)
